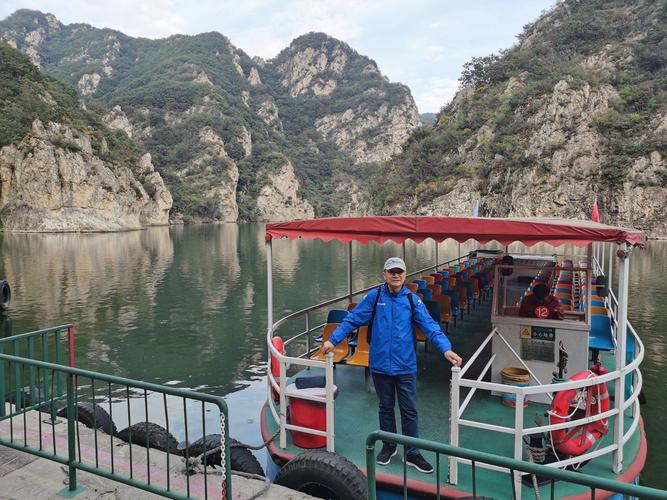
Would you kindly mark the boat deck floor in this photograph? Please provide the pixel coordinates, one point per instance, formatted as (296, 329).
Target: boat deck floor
(356, 417)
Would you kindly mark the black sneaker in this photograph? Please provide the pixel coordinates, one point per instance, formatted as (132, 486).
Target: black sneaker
(387, 451)
(418, 462)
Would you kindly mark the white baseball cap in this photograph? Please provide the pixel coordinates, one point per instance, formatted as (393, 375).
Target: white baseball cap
(394, 263)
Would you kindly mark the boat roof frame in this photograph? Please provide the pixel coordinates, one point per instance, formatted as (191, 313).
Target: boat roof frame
(529, 231)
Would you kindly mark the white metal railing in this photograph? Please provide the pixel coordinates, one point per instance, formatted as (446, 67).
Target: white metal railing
(285, 362)
(519, 431)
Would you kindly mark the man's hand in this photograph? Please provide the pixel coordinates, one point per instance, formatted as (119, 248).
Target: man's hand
(453, 358)
(327, 347)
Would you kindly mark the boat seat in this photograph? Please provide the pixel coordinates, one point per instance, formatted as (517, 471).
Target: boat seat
(421, 284)
(600, 336)
(351, 306)
(413, 287)
(445, 302)
(336, 315)
(420, 337)
(599, 311)
(340, 351)
(360, 356)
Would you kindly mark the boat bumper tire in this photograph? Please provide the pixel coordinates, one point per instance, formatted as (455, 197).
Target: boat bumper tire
(325, 475)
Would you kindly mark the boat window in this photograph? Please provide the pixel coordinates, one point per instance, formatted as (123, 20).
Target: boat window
(539, 287)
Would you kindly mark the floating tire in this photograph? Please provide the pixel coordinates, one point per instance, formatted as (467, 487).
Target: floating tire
(324, 475)
(151, 435)
(5, 294)
(242, 458)
(92, 415)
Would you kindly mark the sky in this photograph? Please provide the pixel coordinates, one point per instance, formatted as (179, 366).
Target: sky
(421, 43)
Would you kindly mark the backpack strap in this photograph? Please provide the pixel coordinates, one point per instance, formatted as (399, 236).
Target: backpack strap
(369, 332)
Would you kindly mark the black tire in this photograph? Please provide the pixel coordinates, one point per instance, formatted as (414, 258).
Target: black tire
(151, 435)
(92, 415)
(324, 475)
(242, 458)
(5, 294)
(44, 407)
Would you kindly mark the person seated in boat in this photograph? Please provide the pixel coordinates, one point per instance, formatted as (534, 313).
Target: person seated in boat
(540, 304)
(391, 310)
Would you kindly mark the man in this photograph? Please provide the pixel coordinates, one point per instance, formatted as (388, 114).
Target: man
(393, 361)
(540, 304)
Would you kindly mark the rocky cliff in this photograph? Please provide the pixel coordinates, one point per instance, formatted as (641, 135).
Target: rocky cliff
(577, 109)
(53, 182)
(211, 116)
(61, 168)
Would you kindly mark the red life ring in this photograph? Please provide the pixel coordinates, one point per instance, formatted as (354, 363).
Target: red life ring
(277, 343)
(582, 438)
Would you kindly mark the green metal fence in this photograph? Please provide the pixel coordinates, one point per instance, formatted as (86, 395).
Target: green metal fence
(35, 386)
(55, 345)
(514, 466)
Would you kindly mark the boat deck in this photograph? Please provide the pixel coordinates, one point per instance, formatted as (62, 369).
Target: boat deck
(356, 417)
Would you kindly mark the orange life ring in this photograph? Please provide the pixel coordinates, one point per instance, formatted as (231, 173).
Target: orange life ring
(582, 438)
(277, 343)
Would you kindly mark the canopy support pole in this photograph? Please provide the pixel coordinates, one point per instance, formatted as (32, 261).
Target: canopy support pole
(610, 270)
(403, 250)
(437, 261)
(269, 283)
(349, 271)
(621, 340)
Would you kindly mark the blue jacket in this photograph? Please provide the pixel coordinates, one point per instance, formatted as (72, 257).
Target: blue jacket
(392, 349)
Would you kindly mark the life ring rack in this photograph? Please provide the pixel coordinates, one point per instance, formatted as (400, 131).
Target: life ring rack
(582, 438)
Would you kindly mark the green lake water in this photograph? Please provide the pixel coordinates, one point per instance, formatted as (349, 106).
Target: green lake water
(186, 306)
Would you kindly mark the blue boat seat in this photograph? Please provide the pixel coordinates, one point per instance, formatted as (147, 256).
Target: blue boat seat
(336, 315)
(600, 336)
(420, 283)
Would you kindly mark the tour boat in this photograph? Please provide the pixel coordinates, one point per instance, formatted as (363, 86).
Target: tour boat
(563, 392)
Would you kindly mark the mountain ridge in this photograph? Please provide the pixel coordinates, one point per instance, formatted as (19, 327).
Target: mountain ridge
(319, 109)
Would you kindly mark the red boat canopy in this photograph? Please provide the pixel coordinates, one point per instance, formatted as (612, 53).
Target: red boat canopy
(528, 231)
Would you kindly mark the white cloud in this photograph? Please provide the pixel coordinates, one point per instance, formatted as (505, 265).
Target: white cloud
(435, 93)
(434, 53)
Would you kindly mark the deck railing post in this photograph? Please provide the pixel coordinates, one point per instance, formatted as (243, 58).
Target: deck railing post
(621, 335)
(330, 402)
(283, 405)
(454, 423)
(518, 440)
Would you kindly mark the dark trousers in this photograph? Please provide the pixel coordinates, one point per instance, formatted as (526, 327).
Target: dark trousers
(387, 387)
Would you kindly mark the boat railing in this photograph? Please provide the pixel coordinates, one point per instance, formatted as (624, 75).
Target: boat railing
(516, 468)
(520, 431)
(277, 384)
(90, 399)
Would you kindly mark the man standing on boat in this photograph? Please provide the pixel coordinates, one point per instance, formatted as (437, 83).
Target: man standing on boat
(391, 311)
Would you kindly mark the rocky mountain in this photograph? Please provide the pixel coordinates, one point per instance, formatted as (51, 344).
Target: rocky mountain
(428, 118)
(576, 109)
(61, 168)
(234, 137)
